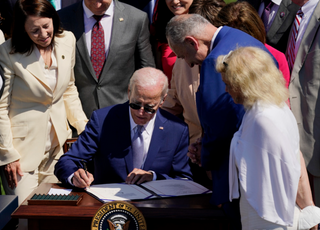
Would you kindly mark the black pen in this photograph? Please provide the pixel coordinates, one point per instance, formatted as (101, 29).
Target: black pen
(85, 167)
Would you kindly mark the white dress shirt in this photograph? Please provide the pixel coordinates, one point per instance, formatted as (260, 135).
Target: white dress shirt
(106, 22)
(214, 37)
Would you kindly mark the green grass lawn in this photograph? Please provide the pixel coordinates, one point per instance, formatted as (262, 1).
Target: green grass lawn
(228, 1)
(1, 190)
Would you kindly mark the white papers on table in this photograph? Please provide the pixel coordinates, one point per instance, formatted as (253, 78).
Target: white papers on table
(56, 191)
(165, 188)
(148, 190)
(110, 192)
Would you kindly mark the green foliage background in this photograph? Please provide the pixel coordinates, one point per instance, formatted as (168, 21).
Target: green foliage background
(1, 190)
(228, 1)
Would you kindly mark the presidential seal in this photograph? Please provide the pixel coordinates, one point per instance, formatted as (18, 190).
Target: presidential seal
(118, 215)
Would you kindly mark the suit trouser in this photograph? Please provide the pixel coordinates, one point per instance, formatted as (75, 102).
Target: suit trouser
(315, 188)
(31, 180)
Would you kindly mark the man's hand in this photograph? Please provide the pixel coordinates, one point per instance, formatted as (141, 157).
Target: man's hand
(195, 152)
(11, 170)
(82, 179)
(138, 176)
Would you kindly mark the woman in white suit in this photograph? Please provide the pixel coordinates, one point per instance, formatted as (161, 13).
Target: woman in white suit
(39, 97)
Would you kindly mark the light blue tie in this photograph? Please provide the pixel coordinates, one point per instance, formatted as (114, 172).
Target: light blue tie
(138, 147)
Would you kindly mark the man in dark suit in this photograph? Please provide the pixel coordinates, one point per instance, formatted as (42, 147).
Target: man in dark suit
(109, 139)
(280, 22)
(127, 48)
(304, 89)
(191, 37)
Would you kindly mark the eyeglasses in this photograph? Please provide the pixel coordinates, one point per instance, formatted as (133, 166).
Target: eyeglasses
(147, 109)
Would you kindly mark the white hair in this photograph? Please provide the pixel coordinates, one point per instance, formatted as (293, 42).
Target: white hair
(181, 26)
(149, 76)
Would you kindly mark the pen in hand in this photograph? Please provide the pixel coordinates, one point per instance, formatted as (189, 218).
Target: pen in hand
(85, 167)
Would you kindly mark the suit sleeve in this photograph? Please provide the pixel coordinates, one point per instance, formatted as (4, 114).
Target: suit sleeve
(143, 49)
(8, 153)
(220, 117)
(73, 106)
(83, 149)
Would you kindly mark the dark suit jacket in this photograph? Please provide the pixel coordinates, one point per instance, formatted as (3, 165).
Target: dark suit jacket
(220, 117)
(130, 49)
(279, 31)
(107, 142)
(65, 3)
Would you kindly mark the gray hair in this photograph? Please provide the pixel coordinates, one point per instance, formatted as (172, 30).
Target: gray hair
(181, 26)
(149, 76)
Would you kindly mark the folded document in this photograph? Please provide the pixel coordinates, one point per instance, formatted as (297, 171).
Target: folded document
(148, 190)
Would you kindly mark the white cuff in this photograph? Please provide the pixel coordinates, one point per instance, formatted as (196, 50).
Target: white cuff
(154, 175)
(309, 217)
(69, 179)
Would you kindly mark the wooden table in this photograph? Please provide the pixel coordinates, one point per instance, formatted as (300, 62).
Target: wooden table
(188, 212)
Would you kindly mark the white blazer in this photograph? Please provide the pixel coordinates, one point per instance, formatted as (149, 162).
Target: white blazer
(28, 103)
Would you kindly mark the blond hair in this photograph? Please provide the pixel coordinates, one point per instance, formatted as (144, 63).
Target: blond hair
(252, 73)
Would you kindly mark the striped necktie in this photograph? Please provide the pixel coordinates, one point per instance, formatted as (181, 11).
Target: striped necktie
(291, 56)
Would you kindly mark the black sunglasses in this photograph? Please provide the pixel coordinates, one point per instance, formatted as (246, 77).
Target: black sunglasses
(145, 108)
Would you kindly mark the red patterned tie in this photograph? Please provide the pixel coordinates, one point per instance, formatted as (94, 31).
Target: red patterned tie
(292, 43)
(98, 54)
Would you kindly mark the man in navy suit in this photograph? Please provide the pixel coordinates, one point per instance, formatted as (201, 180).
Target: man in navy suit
(109, 139)
(200, 43)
